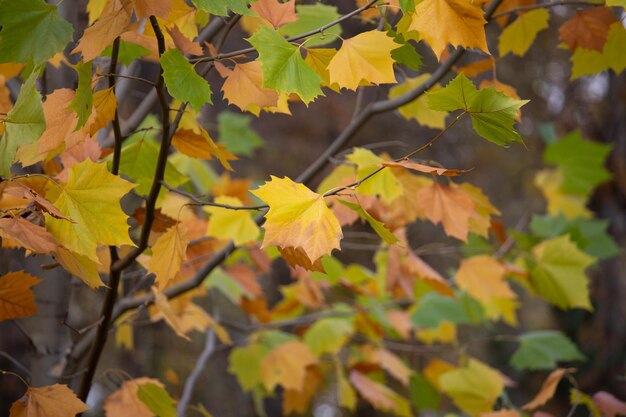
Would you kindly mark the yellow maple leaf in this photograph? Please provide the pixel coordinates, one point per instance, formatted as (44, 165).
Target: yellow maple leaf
(483, 278)
(571, 205)
(455, 22)
(286, 366)
(91, 198)
(16, 297)
(50, 401)
(104, 104)
(80, 266)
(298, 217)
(167, 313)
(418, 109)
(168, 254)
(365, 57)
(244, 87)
(474, 388)
(235, 225)
(384, 183)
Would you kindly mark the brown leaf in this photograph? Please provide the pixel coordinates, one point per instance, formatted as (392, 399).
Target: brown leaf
(276, 13)
(125, 403)
(588, 29)
(473, 69)
(548, 388)
(608, 404)
(389, 362)
(298, 401)
(246, 278)
(183, 43)
(297, 257)
(408, 164)
(502, 413)
(30, 236)
(50, 401)
(233, 187)
(16, 297)
(114, 20)
(450, 206)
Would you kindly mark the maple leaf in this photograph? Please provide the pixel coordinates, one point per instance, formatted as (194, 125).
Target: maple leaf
(60, 121)
(426, 169)
(455, 22)
(558, 275)
(550, 182)
(286, 366)
(182, 81)
(276, 13)
(483, 278)
(28, 235)
(16, 297)
(50, 401)
(283, 67)
(244, 87)
(24, 24)
(328, 335)
(235, 225)
(167, 313)
(418, 109)
(200, 145)
(146, 8)
(588, 29)
(82, 103)
(548, 388)
(298, 217)
(383, 183)
(474, 387)
(450, 206)
(113, 20)
(365, 57)
(520, 35)
(91, 199)
(311, 17)
(492, 112)
(183, 43)
(381, 397)
(168, 254)
(124, 401)
(23, 125)
(105, 105)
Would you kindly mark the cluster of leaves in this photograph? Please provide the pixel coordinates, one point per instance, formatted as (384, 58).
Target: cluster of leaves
(345, 318)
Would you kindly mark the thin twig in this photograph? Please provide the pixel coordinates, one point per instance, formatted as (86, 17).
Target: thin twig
(129, 77)
(321, 29)
(200, 202)
(185, 398)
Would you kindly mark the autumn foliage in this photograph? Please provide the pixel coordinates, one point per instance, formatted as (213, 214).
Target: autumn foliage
(147, 210)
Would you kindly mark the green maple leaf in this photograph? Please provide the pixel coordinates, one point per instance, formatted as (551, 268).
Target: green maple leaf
(559, 273)
(543, 349)
(236, 134)
(328, 335)
(283, 67)
(492, 112)
(311, 17)
(581, 161)
(82, 103)
(23, 125)
(182, 81)
(31, 31)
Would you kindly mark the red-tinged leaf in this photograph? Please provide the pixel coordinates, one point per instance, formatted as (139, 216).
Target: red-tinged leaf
(588, 29)
(381, 397)
(247, 278)
(49, 401)
(244, 87)
(426, 169)
(183, 43)
(608, 404)
(60, 121)
(275, 12)
(200, 145)
(28, 235)
(146, 8)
